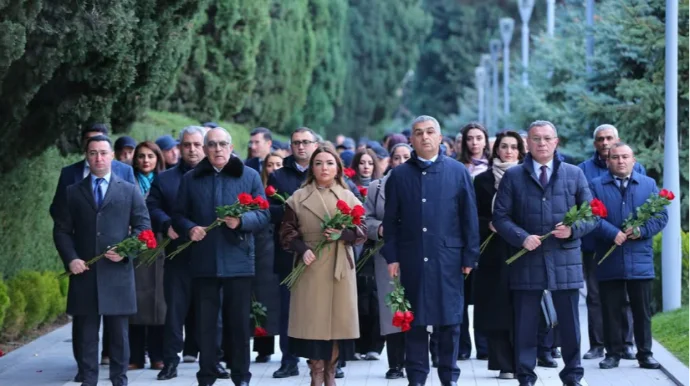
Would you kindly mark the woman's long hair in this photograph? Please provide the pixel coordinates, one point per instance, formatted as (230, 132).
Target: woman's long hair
(310, 172)
(264, 170)
(465, 156)
(513, 134)
(376, 173)
(160, 161)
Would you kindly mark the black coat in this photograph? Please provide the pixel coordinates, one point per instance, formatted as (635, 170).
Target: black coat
(493, 307)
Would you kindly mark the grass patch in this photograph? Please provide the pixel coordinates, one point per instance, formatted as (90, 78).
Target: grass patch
(671, 330)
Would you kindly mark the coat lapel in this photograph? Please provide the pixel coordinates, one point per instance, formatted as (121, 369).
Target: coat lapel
(79, 171)
(85, 188)
(315, 203)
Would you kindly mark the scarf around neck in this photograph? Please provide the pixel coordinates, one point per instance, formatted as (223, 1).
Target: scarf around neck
(145, 182)
(478, 165)
(499, 169)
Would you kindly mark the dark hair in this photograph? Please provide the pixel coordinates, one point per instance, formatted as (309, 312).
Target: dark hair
(376, 174)
(620, 144)
(262, 130)
(160, 161)
(465, 157)
(98, 138)
(264, 170)
(512, 134)
(97, 127)
(304, 129)
(310, 172)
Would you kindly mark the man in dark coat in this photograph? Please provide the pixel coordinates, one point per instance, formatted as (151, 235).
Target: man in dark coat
(260, 143)
(532, 200)
(432, 239)
(629, 270)
(605, 136)
(97, 213)
(223, 258)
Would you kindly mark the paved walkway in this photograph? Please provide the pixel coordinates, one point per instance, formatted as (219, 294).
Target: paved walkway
(48, 362)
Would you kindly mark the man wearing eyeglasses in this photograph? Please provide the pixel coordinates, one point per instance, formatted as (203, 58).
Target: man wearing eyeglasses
(532, 201)
(605, 136)
(223, 258)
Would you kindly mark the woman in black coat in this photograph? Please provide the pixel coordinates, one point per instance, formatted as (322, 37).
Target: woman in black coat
(493, 310)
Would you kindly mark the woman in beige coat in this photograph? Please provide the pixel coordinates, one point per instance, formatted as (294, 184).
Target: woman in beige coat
(323, 305)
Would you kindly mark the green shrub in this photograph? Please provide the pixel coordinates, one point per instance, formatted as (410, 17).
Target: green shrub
(4, 303)
(56, 301)
(16, 312)
(35, 290)
(657, 299)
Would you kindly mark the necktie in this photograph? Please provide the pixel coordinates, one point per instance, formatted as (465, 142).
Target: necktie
(622, 184)
(543, 178)
(97, 193)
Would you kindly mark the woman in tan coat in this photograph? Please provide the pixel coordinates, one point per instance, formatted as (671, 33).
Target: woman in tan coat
(323, 305)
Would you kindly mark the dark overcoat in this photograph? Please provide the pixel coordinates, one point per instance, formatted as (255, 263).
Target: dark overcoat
(83, 231)
(430, 226)
(634, 260)
(523, 207)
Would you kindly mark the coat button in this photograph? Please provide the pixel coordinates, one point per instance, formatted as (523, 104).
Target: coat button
(423, 229)
(424, 173)
(543, 198)
(426, 259)
(98, 233)
(423, 199)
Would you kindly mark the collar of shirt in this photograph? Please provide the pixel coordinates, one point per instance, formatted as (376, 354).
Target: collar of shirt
(104, 184)
(537, 168)
(432, 160)
(217, 169)
(300, 168)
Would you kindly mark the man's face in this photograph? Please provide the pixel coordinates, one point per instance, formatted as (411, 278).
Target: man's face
(259, 147)
(125, 155)
(99, 155)
(303, 146)
(171, 156)
(218, 148)
(621, 161)
(192, 148)
(339, 139)
(458, 145)
(542, 142)
(603, 141)
(426, 139)
(88, 135)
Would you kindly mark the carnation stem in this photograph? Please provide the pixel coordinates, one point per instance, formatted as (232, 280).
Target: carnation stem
(182, 247)
(607, 254)
(486, 243)
(524, 250)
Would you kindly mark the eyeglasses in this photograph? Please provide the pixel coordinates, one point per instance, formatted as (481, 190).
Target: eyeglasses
(304, 143)
(221, 144)
(542, 139)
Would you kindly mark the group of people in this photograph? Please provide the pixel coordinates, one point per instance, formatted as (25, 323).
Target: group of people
(432, 200)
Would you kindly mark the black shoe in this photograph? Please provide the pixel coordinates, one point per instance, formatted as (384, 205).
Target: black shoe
(79, 378)
(556, 352)
(482, 357)
(450, 383)
(628, 354)
(434, 361)
(546, 361)
(572, 383)
(594, 353)
(339, 374)
(263, 358)
(243, 383)
(526, 384)
(286, 371)
(395, 373)
(168, 372)
(463, 357)
(220, 372)
(649, 363)
(415, 384)
(609, 362)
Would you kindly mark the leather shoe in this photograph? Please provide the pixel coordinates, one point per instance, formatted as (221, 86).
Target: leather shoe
(594, 353)
(339, 374)
(526, 384)
(649, 363)
(628, 353)
(415, 384)
(609, 362)
(434, 361)
(482, 356)
(556, 352)
(243, 383)
(572, 383)
(546, 361)
(220, 372)
(463, 357)
(286, 371)
(263, 358)
(395, 373)
(450, 383)
(79, 378)
(168, 372)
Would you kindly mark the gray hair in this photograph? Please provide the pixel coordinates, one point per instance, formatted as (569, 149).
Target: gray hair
(398, 145)
(190, 130)
(426, 118)
(603, 127)
(218, 128)
(542, 124)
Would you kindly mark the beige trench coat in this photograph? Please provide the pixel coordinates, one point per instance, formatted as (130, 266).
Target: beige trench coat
(323, 303)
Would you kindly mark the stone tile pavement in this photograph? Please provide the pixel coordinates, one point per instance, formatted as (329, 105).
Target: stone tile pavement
(48, 362)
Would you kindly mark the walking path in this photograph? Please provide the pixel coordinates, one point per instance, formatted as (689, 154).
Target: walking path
(48, 362)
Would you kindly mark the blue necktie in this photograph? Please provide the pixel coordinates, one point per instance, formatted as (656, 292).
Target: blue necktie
(97, 193)
(543, 178)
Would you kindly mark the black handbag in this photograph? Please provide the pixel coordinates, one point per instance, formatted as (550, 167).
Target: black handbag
(549, 310)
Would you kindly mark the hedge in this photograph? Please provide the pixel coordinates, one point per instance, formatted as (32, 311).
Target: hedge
(657, 298)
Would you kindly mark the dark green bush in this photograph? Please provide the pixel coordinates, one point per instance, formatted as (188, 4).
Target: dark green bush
(57, 303)
(16, 312)
(4, 303)
(657, 298)
(35, 290)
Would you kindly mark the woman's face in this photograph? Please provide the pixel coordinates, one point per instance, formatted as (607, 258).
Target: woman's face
(366, 166)
(508, 150)
(273, 163)
(325, 168)
(476, 142)
(146, 160)
(400, 155)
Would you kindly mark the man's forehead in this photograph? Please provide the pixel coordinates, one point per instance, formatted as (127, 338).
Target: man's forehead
(426, 125)
(302, 135)
(542, 129)
(621, 150)
(192, 137)
(99, 145)
(606, 133)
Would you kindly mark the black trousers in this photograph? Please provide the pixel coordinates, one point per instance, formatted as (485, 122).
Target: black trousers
(395, 350)
(501, 351)
(105, 352)
(370, 339)
(613, 299)
(85, 329)
(417, 357)
(235, 306)
(145, 339)
(527, 308)
(595, 321)
(264, 345)
(177, 287)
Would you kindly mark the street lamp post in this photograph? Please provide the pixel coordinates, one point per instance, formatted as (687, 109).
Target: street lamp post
(486, 64)
(550, 17)
(479, 74)
(526, 7)
(671, 266)
(506, 25)
(494, 49)
(589, 35)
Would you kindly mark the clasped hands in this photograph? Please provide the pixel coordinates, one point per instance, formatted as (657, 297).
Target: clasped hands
(629, 233)
(561, 231)
(78, 266)
(198, 233)
(394, 270)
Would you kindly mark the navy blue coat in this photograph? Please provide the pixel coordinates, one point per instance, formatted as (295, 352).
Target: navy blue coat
(224, 252)
(74, 173)
(431, 228)
(594, 168)
(523, 207)
(160, 203)
(635, 258)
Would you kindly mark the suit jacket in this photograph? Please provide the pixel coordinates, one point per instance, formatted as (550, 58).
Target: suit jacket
(75, 173)
(83, 231)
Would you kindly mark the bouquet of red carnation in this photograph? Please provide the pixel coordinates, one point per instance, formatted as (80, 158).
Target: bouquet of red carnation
(272, 192)
(131, 246)
(258, 315)
(345, 218)
(349, 172)
(585, 213)
(363, 192)
(245, 203)
(401, 308)
(650, 209)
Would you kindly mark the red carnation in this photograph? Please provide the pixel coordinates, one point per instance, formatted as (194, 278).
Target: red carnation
(260, 331)
(409, 316)
(147, 237)
(358, 211)
(598, 208)
(349, 172)
(405, 327)
(356, 221)
(398, 319)
(263, 204)
(245, 198)
(670, 196)
(270, 190)
(343, 207)
(362, 191)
